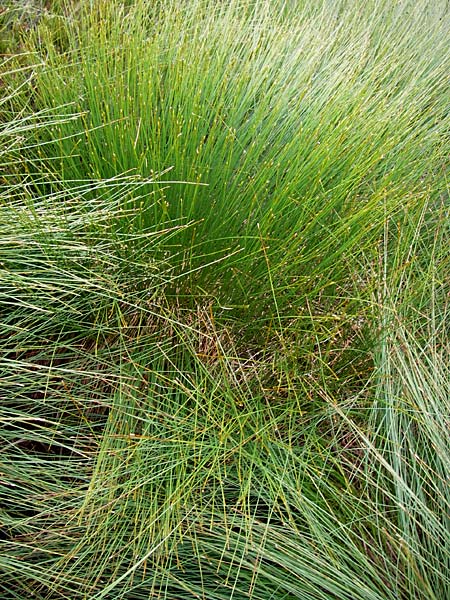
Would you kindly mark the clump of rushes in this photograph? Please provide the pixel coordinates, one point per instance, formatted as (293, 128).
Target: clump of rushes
(224, 360)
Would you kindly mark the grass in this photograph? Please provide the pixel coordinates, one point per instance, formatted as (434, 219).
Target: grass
(224, 301)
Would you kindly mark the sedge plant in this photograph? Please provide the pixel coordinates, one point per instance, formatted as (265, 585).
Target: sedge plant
(224, 302)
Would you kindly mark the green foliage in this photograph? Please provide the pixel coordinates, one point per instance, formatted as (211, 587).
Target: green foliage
(224, 302)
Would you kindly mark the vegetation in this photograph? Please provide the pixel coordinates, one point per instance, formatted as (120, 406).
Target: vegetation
(224, 300)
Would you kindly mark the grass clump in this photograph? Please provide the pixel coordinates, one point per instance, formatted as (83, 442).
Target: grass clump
(223, 302)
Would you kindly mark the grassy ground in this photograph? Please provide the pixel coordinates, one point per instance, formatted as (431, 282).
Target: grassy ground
(224, 300)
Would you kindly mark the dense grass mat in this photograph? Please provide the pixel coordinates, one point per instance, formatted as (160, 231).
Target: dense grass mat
(224, 300)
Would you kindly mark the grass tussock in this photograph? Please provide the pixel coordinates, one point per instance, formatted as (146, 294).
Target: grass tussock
(224, 300)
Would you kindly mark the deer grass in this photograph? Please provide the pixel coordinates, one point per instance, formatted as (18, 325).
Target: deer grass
(224, 301)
